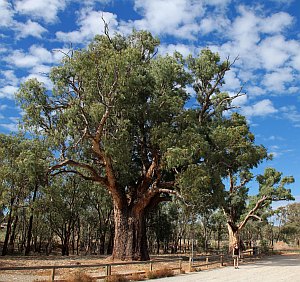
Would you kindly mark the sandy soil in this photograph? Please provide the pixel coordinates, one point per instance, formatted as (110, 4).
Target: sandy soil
(274, 268)
(271, 269)
(45, 275)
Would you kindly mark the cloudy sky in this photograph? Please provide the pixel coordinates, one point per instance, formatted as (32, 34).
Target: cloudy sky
(263, 34)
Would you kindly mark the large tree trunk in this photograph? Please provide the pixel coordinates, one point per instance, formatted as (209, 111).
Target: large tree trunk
(130, 242)
(233, 235)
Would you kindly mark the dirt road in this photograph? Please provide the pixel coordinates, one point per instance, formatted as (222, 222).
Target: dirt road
(284, 268)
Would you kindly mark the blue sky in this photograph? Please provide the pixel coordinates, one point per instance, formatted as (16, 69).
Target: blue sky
(265, 35)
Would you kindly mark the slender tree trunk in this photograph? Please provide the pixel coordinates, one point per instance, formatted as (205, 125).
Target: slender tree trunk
(7, 235)
(130, 242)
(65, 246)
(158, 245)
(30, 225)
(110, 244)
(102, 243)
(29, 236)
(11, 245)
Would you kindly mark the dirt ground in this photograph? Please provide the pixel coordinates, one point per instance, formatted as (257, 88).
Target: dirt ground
(279, 268)
(271, 268)
(45, 275)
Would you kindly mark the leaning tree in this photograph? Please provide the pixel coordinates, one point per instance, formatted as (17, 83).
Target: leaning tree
(234, 156)
(117, 116)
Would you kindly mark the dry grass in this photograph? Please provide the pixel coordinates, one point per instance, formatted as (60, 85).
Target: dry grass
(160, 273)
(116, 278)
(137, 277)
(79, 277)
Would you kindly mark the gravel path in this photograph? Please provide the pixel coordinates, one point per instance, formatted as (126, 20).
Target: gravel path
(273, 269)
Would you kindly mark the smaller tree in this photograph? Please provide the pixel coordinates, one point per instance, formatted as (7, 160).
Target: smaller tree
(22, 173)
(291, 226)
(272, 187)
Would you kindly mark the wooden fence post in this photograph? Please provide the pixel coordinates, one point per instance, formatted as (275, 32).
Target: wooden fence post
(221, 260)
(206, 261)
(151, 266)
(108, 270)
(180, 265)
(53, 274)
(190, 264)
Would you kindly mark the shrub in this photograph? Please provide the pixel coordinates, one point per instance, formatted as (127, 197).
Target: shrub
(80, 277)
(137, 277)
(160, 273)
(116, 278)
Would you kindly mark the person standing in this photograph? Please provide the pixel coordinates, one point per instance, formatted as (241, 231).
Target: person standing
(236, 255)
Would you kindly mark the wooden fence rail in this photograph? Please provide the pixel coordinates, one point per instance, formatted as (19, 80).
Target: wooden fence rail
(206, 261)
(106, 266)
(197, 262)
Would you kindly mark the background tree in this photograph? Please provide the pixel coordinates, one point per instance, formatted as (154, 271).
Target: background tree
(22, 172)
(63, 203)
(290, 226)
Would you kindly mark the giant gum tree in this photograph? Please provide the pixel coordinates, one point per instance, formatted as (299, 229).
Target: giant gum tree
(117, 116)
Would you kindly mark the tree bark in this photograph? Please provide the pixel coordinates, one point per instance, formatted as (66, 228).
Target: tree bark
(130, 242)
(233, 236)
(29, 233)
(7, 235)
(11, 245)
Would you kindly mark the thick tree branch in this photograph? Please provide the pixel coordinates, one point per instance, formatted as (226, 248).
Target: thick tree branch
(74, 172)
(95, 176)
(251, 212)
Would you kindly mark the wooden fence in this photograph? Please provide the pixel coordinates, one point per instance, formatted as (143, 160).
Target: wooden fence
(106, 267)
(205, 261)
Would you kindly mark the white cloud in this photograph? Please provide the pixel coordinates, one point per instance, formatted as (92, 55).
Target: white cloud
(296, 60)
(276, 81)
(94, 2)
(239, 101)
(13, 127)
(220, 3)
(274, 138)
(3, 49)
(273, 52)
(256, 91)
(3, 107)
(36, 55)
(41, 78)
(248, 37)
(174, 17)
(90, 23)
(29, 28)
(209, 24)
(46, 10)
(8, 91)
(285, 2)
(232, 82)
(6, 13)
(291, 113)
(9, 77)
(183, 49)
(276, 23)
(261, 108)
